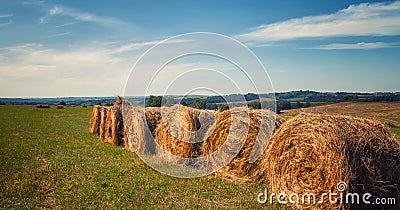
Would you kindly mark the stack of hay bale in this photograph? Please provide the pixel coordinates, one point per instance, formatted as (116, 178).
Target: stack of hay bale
(107, 122)
(310, 153)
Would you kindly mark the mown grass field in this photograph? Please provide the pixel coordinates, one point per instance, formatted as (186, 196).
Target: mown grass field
(48, 159)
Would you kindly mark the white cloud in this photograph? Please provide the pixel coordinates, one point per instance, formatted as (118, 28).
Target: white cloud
(33, 69)
(5, 15)
(139, 45)
(80, 16)
(357, 46)
(24, 48)
(31, 2)
(367, 19)
(5, 24)
(66, 24)
(42, 20)
(55, 11)
(59, 34)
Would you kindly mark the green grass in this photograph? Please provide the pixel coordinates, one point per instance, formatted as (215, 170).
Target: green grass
(50, 160)
(396, 131)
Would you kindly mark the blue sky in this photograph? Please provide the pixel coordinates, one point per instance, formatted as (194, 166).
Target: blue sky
(87, 48)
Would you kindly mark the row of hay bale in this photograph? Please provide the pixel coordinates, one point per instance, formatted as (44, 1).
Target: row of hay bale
(107, 123)
(185, 132)
(310, 153)
(180, 130)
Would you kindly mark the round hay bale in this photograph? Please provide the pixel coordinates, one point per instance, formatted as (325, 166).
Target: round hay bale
(312, 153)
(103, 120)
(95, 120)
(139, 136)
(240, 168)
(180, 132)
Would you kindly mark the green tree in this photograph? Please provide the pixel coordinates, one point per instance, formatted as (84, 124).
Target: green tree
(298, 105)
(199, 104)
(154, 101)
(254, 105)
(283, 105)
(167, 101)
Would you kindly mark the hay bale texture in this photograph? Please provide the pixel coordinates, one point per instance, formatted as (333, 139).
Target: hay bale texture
(95, 120)
(240, 169)
(114, 124)
(180, 132)
(103, 120)
(153, 117)
(312, 153)
(139, 124)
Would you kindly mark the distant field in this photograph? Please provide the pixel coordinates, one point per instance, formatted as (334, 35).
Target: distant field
(48, 159)
(387, 112)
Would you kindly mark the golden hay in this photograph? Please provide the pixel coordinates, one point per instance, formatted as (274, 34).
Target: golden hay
(114, 126)
(240, 168)
(95, 120)
(180, 132)
(103, 120)
(139, 136)
(153, 117)
(108, 126)
(312, 153)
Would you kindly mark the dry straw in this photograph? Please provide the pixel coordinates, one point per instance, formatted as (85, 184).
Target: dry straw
(95, 120)
(103, 120)
(114, 124)
(153, 117)
(312, 153)
(180, 133)
(139, 125)
(245, 124)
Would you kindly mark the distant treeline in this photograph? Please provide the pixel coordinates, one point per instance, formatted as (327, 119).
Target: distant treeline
(157, 101)
(284, 100)
(313, 96)
(78, 101)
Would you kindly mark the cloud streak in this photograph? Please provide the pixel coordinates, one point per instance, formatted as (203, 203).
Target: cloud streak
(139, 45)
(65, 24)
(367, 19)
(80, 16)
(357, 46)
(5, 24)
(59, 34)
(5, 15)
